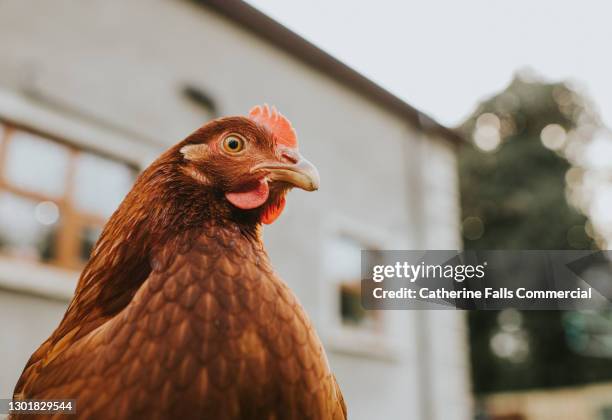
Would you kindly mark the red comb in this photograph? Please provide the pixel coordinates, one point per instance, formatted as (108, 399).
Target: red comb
(276, 123)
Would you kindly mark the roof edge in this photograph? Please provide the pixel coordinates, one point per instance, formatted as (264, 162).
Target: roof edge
(283, 38)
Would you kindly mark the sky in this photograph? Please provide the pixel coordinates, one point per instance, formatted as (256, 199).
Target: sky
(444, 56)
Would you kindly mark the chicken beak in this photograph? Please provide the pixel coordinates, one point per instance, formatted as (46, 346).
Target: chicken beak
(301, 174)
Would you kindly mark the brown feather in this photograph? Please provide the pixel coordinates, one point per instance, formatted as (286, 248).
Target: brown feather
(180, 315)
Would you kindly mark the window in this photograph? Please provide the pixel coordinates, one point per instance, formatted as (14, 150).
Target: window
(346, 326)
(54, 198)
(345, 263)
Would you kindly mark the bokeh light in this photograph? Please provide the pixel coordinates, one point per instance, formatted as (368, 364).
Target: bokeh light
(47, 213)
(553, 136)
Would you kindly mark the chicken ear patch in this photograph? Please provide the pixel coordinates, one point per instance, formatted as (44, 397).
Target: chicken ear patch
(195, 151)
(276, 123)
(250, 196)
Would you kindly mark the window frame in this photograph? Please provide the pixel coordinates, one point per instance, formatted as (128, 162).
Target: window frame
(73, 219)
(88, 134)
(379, 343)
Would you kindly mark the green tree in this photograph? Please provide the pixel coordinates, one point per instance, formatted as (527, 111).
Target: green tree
(514, 193)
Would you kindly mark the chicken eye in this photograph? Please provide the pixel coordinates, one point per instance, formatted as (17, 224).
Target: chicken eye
(233, 144)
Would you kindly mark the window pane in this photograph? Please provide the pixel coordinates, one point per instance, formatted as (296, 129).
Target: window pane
(345, 267)
(101, 184)
(350, 304)
(27, 227)
(89, 236)
(344, 257)
(352, 312)
(37, 164)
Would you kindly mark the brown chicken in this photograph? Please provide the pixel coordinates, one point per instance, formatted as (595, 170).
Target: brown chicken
(179, 314)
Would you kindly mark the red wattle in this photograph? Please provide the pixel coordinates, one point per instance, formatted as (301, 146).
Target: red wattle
(250, 196)
(273, 211)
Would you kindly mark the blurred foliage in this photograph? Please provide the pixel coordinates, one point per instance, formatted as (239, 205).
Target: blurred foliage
(518, 191)
(514, 197)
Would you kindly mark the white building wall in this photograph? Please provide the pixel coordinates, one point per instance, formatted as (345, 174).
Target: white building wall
(124, 63)
(446, 341)
(28, 319)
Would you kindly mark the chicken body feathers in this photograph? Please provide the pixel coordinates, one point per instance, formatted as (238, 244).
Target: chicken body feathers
(212, 333)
